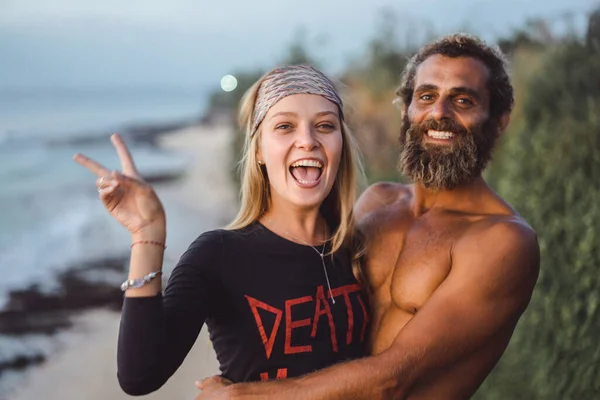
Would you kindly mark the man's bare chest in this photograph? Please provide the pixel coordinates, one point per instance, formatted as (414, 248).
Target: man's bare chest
(415, 262)
(423, 263)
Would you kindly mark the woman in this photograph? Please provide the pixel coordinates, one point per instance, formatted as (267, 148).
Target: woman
(276, 288)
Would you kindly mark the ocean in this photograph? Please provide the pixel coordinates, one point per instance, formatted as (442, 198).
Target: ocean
(50, 216)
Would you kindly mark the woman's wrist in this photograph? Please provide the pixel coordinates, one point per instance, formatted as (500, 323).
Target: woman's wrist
(157, 232)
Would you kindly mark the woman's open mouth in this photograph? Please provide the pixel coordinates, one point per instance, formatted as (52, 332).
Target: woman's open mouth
(307, 172)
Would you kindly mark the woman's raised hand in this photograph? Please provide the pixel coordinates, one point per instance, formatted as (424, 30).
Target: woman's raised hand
(126, 196)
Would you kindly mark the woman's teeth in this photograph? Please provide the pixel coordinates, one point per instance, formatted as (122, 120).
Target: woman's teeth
(307, 163)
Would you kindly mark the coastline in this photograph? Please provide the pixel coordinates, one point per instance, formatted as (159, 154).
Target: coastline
(83, 364)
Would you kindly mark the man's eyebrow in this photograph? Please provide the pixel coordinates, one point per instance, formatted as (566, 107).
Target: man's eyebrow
(427, 87)
(454, 91)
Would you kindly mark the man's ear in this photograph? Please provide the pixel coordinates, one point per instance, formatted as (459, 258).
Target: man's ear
(503, 122)
(400, 105)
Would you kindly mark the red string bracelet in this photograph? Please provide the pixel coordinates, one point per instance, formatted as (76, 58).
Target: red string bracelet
(149, 242)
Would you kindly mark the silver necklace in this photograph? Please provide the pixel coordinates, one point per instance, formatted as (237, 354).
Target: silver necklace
(321, 255)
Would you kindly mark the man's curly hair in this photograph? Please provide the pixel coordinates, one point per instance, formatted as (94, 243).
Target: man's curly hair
(464, 45)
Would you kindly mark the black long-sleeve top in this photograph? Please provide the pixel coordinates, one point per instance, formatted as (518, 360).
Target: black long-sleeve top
(265, 301)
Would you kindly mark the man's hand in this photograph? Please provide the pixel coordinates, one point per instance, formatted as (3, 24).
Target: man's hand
(213, 388)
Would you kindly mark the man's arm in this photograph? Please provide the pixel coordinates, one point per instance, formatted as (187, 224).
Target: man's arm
(487, 290)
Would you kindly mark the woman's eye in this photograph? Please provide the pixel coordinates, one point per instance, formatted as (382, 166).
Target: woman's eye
(327, 126)
(283, 127)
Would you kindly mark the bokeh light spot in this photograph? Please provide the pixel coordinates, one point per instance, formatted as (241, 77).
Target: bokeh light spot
(228, 83)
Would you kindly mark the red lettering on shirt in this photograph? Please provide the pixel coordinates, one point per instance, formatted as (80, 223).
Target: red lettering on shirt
(366, 318)
(290, 325)
(281, 374)
(322, 307)
(346, 290)
(255, 305)
(320, 299)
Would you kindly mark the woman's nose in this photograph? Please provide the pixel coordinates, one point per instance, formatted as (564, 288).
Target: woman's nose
(306, 138)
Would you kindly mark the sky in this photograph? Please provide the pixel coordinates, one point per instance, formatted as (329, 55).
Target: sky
(193, 43)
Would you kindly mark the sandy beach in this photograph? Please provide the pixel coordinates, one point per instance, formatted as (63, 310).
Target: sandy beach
(84, 366)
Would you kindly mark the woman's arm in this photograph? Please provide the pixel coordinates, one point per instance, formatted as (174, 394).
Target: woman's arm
(157, 331)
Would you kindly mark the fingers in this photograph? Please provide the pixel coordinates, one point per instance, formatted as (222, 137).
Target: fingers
(114, 179)
(107, 186)
(107, 182)
(123, 153)
(107, 194)
(225, 381)
(203, 383)
(127, 163)
(212, 380)
(95, 167)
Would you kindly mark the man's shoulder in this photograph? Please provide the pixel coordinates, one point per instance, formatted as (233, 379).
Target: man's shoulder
(500, 255)
(381, 195)
(511, 228)
(502, 236)
(389, 189)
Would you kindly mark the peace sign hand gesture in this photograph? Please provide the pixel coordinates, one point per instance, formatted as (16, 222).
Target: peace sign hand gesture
(130, 200)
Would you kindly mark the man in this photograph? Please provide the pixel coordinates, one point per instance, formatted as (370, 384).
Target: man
(451, 266)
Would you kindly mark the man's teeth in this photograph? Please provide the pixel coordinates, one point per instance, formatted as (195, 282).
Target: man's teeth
(307, 163)
(440, 135)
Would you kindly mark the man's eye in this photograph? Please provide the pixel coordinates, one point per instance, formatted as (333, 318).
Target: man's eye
(464, 101)
(426, 97)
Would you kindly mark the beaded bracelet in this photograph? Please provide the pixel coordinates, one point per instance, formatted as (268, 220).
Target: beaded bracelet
(149, 242)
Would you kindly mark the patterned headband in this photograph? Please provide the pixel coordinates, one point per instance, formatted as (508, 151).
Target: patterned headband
(283, 82)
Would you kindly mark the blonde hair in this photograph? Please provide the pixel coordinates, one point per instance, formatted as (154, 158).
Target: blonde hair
(337, 208)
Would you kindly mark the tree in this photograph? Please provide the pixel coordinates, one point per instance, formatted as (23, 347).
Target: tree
(551, 175)
(371, 82)
(298, 50)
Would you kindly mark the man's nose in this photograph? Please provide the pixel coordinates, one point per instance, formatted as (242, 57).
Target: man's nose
(441, 109)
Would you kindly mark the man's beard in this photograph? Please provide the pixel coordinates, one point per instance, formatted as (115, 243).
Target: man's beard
(445, 167)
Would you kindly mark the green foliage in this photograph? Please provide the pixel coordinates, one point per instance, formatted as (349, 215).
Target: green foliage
(298, 51)
(371, 82)
(593, 32)
(381, 67)
(550, 172)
